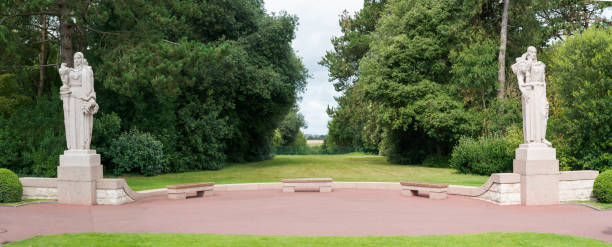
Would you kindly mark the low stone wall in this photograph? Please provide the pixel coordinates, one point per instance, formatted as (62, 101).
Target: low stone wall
(501, 188)
(505, 188)
(108, 191)
(576, 185)
(39, 188)
(114, 192)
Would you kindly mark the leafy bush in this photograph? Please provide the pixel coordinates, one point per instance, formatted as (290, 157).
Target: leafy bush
(137, 153)
(602, 189)
(486, 155)
(10, 186)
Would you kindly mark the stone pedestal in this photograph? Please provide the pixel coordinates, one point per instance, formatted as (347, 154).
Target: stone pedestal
(77, 175)
(539, 170)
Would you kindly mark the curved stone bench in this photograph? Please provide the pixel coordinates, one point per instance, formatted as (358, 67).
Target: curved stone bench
(180, 191)
(436, 191)
(307, 184)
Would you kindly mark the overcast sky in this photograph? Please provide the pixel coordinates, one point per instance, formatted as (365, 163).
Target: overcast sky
(318, 22)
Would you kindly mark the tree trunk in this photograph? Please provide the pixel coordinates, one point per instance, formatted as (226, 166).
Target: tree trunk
(501, 73)
(41, 68)
(66, 30)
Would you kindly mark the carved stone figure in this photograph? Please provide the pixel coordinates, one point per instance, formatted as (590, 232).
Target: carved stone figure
(531, 82)
(79, 100)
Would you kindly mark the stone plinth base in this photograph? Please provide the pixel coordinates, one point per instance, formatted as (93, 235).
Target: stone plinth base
(539, 170)
(76, 192)
(77, 176)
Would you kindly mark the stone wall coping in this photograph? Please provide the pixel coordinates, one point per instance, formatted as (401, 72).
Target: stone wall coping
(38, 182)
(151, 193)
(110, 183)
(505, 178)
(578, 175)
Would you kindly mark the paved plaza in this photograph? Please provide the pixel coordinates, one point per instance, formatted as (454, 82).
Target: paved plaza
(344, 212)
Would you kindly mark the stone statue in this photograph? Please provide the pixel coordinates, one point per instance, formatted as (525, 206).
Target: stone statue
(531, 82)
(79, 97)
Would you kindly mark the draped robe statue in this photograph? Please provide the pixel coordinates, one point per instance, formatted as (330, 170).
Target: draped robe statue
(531, 80)
(79, 98)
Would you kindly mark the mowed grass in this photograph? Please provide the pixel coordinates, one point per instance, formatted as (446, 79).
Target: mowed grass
(599, 205)
(19, 203)
(362, 168)
(150, 239)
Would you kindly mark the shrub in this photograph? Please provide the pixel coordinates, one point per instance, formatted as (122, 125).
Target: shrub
(602, 188)
(486, 155)
(10, 186)
(136, 153)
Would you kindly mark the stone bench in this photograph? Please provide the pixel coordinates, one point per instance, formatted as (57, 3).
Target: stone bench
(307, 184)
(180, 191)
(436, 191)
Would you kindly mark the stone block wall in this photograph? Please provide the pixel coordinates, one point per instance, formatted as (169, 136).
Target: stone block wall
(108, 191)
(503, 194)
(576, 185)
(501, 188)
(39, 188)
(505, 188)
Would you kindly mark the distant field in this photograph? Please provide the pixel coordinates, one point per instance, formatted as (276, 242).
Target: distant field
(355, 167)
(314, 142)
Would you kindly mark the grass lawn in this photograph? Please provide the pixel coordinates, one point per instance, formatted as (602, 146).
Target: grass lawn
(149, 239)
(364, 168)
(599, 205)
(24, 202)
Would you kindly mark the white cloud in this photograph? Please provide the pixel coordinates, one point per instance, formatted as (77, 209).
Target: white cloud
(318, 23)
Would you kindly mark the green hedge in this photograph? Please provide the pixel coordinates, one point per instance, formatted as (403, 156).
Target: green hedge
(135, 152)
(602, 189)
(10, 186)
(486, 155)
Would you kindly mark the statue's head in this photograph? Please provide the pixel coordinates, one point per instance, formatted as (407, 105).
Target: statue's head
(532, 53)
(78, 59)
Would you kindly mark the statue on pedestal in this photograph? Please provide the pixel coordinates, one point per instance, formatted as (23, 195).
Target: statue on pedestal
(531, 81)
(80, 168)
(79, 100)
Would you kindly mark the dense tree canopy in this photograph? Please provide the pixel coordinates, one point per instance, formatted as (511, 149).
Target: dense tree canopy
(211, 80)
(580, 81)
(417, 75)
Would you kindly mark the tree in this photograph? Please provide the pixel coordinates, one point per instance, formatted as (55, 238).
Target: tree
(290, 127)
(212, 85)
(406, 73)
(562, 18)
(580, 79)
(502, 51)
(343, 61)
(347, 127)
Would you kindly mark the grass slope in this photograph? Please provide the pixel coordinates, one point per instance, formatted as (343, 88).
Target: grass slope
(149, 239)
(365, 168)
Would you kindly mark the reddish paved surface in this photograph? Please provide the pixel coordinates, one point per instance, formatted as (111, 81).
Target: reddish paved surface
(342, 212)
